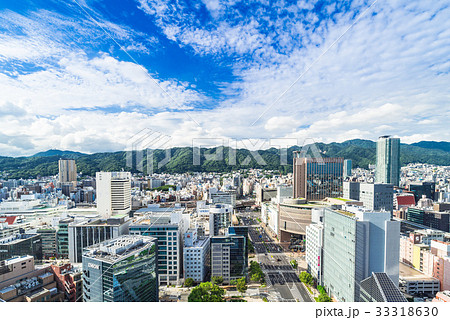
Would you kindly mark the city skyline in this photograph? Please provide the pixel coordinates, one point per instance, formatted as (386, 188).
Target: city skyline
(331, 72)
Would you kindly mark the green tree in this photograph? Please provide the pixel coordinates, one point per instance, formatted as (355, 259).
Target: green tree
(305, 277)
(217, 280)
(241, 285)
(189, 282)
(323, 297)
(294, 263)
(206, 292)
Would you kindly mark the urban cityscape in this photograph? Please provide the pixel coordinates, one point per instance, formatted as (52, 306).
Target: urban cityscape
(325, 232)
(275, 152)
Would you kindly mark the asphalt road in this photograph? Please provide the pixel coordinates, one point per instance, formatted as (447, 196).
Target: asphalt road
(282, 281)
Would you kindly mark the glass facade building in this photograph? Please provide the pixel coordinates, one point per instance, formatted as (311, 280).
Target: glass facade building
(388, 160)
(318, 178)
(121, 270)
(21, 244)
(228, 258)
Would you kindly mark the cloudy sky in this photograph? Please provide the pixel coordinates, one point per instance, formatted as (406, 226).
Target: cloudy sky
(87, 75)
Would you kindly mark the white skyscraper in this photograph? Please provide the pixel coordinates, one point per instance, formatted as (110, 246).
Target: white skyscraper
(113, 193)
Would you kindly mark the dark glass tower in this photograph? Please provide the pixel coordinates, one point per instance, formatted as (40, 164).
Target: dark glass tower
(123, 269)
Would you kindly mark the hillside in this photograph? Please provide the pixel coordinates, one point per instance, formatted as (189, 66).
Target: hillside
(362, 152)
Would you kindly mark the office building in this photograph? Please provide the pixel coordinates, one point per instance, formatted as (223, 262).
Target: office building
(347, 168)
(113, 193)
(374, 196)
(167, 225)
(196, 256)
(240, 231)
(221, 197)
(421, 189)
(388, 160)
(49, 242)
(123, 269)
(317, 178)
(356, 243)
(380, 288)
(429, 218)
(228, 257)
(91, 231)
(63, 238)
(314, 245)
(21, 244)
(67, 171)
(219, 218)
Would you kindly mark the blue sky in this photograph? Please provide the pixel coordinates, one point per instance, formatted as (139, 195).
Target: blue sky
(87, 75)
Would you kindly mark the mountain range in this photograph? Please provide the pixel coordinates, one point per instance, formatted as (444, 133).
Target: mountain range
(362, 153)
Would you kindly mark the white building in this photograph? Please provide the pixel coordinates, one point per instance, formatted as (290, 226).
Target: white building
(219, 218)
(113, 193)
(374, 196)
(314, 244)
(196, 256)
(217, 197)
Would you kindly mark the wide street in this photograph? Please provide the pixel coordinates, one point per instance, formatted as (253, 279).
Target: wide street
(282, 281)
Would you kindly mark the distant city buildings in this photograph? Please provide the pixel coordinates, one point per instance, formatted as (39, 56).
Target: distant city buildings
(388, 160)
(123, 269)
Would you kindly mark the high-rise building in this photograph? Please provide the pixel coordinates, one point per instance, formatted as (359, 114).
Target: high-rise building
(347, 168)
(388, 160)
(113, 193)
(228, 257)
(67, 171)
(357, 242)
(49, 242)
(219, 218)
(63, 238)
(314, 245)
(91, 231)
(123, 269)
(196, 256)
(168, 225)
(317, 178)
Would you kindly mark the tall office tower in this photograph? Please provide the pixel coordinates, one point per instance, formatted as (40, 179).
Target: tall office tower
(356, 243)
(121, 270)
(228, 257)
(347, 168)
(113, 193)
(388, 160)
(317, 178)
(168, 225)
(219, 218)
(67, 171)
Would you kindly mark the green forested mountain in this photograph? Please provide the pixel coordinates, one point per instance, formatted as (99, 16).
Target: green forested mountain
(362, 152)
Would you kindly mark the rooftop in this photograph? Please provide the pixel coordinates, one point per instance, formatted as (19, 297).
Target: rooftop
(118, 248)
(410, 274)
